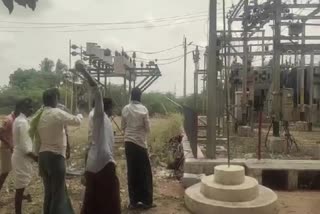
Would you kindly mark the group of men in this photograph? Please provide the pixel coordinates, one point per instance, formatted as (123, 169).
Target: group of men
(44, 139)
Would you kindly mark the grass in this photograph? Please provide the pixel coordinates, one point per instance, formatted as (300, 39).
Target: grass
(162, 129)
(162, 132)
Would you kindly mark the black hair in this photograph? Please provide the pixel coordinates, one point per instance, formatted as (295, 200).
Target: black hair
(136, 94)
(56, 91)
(49, 97)
(23, 104)
(107, 103)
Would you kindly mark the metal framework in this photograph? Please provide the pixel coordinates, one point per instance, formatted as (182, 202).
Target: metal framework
(275, 29)
(133, 76)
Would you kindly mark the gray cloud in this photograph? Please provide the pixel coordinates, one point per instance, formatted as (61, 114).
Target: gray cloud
(27, 49)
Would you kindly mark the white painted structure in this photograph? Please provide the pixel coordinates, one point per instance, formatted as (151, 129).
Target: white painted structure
(229, 191)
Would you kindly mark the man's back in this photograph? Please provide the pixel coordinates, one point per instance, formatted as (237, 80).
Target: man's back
(51, 129)
(135, 123)
(21, 139)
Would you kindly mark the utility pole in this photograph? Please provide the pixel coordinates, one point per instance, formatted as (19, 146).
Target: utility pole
(245, 65)
(196, 58)
(276, 104)
(302, 86)
(185, 68)
(311, 91)
(226, 80)
(73, 84)
(263, 49)
(212, 82)
(125, 100)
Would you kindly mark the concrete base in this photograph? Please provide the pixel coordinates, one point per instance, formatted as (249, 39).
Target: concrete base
(245, 131)
(247, 191)
(229, 191)
(301, 126)
(191, 179)
(266, 203)
(276, 144)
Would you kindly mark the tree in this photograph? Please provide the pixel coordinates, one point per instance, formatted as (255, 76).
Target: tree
(10, 4)
(46, 65)
(61, 70)
(32, 79)
(60, 67)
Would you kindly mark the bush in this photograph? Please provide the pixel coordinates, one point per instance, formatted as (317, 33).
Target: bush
(162, 132)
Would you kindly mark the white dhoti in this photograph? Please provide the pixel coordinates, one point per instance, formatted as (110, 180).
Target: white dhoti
(22, 169)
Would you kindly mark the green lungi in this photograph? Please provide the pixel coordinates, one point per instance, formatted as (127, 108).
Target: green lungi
(53, 172)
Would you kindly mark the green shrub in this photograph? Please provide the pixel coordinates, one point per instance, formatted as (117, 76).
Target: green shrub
(162, 132)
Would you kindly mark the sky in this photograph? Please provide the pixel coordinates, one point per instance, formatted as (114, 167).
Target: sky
(35, 41)
(26, 48)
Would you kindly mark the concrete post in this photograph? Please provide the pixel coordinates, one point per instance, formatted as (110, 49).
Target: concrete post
(212, 82)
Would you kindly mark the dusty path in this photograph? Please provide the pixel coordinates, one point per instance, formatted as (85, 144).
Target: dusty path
(168, 192)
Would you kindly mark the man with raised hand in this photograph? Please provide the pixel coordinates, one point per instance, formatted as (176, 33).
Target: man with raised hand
(102, 193)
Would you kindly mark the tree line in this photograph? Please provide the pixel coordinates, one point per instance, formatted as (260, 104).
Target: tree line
(32, 82)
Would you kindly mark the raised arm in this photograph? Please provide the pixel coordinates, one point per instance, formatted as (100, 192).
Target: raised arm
(69, 119)
(81, 68)
(147, 123)
(98, 108)
(123, 120)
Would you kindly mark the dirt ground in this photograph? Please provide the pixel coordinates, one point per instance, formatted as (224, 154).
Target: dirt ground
(168, 191)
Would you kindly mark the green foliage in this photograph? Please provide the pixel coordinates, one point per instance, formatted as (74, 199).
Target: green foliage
(162, 132)
(30, 83)
(30, 79)
(157, 103)
(46, 65)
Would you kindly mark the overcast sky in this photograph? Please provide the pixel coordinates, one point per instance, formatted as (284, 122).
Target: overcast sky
(27, 48)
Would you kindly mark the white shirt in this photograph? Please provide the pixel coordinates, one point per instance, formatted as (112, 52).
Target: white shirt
(101, 148)
(21, 140)
(90, 126)
(51, 129)
(135, 123)
(21, 163)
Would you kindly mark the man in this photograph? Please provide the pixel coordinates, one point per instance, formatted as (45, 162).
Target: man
(102, 195)
(52, 153)
(22, 154)
(64, 108)
(60, 106)
(135, 123)
(6, 146)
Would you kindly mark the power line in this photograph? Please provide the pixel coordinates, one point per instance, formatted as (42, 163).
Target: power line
(132, 28)
(164, 59)
(114, 29)
(170, 18)
(168, 63)
(156, 52)
(110, 23)
(64, 25)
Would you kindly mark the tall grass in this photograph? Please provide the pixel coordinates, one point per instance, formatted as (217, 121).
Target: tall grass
(162, 132)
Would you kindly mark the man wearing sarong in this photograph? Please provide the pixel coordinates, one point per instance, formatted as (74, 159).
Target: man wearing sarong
(102, 194)
(6, 146)
(136, 126)
(52, 153)
(22, 156)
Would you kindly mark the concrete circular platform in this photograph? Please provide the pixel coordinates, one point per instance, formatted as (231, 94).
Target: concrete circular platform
(247, 191)
(229, 175)
(197, 203)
